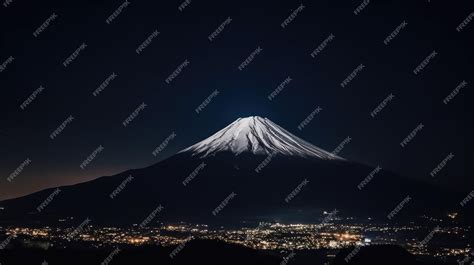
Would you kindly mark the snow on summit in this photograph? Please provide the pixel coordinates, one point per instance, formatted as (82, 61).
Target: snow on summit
(257, 135)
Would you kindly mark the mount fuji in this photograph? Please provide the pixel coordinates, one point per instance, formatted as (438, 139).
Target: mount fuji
(258, 136)
(216, 181)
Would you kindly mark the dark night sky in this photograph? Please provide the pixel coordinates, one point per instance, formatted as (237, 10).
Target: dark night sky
(213, 65)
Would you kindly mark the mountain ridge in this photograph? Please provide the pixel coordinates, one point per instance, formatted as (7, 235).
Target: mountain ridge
(230, 168)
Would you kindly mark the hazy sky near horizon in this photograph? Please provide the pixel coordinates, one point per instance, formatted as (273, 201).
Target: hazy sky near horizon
(105, 49)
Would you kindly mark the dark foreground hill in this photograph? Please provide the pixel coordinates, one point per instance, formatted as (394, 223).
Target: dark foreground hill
(378, 254)
(203, 252)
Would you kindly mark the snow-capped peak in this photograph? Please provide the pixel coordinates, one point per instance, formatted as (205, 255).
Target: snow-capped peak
(257, 135)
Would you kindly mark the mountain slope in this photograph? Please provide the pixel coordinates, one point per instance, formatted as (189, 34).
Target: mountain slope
(229, 178)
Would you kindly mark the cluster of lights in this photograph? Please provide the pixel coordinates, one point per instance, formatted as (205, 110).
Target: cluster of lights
(266, 236)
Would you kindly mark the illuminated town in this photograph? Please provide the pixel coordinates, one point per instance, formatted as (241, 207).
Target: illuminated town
(331, 236)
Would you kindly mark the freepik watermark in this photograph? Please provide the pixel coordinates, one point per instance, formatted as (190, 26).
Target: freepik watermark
(430, 236)
(32, 97)
(61, 127)
(164, 144)
(425, 62)
(465, 22)
(207, 101)
(194, 173)
(176, 72)
(441, 165)
(321, 46)
(4, 65)
(6, 3)
(134, 114)
(454, 92)
(223, 204)
(117, 12)
(45, 25)
(74, 55)
(394, 33)
(309, 118)
(110, 257)
(341, 146)
(219, 29)
(297, 190)
(121, 187)
(147, 42)
(180, 247)
(412, 135)
(399, 207)
(104, 84)
(7, 241)
(279, 88)
(91, 157)
(151, 216)
(352, 75)
(361, 7)
(329, 217)
(467, 199)
(250, 58)
(369, 177)
(382, 105)
(352, 254)
(287, 259)
(292, 16)
(184, 4)
(19, 169)
(466, 259)
(48, 200)
(265, 162)
(79, 229)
